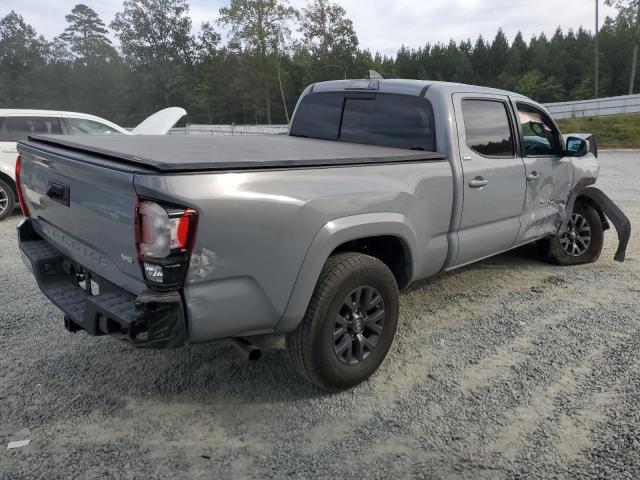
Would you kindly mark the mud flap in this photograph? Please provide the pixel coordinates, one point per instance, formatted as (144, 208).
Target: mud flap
(610, 210)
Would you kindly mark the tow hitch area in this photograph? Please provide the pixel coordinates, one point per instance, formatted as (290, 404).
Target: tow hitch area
(610, 210)
(90, 303)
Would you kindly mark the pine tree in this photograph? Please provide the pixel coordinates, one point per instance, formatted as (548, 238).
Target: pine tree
(630, 11)
(261, 28)
(87, 36)
(156, 42)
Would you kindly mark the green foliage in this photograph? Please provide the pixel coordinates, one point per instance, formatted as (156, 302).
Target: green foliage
(154, 33)
(260, 30)
(86, 36)
(619, 131)
(156, 43)
(257, 74)
(20, 48)
(326, 29)
(21, 51)
(535, 85)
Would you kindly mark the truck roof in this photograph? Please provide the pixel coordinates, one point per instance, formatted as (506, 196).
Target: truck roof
(410, 87)
(175, 153)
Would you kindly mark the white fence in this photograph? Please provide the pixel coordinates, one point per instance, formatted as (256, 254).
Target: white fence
(599, 107)
(231, 130)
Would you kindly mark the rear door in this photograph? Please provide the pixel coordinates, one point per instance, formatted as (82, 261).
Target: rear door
(494, 176)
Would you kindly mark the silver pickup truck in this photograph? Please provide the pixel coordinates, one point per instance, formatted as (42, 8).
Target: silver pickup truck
(167, 240)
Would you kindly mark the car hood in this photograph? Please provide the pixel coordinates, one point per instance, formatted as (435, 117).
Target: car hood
(160, 122)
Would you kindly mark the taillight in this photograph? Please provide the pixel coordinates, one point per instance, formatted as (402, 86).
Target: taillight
(165, 237)
(21, 199)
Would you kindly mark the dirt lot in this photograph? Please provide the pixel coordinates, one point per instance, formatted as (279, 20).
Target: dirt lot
(510, 368)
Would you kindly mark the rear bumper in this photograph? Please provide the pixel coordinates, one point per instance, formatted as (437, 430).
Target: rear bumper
(151, 319)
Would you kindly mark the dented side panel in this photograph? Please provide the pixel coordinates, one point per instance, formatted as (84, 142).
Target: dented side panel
(549, 183)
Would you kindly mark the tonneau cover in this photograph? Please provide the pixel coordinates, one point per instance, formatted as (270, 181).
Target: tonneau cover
(174, 153)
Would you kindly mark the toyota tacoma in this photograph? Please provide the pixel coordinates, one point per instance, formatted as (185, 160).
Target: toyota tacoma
(163, 241)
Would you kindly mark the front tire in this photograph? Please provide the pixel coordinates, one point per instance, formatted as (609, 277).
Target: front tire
(349, 325)
(583, 240)
(7, 200)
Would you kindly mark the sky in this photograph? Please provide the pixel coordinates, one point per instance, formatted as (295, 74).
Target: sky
(381, 25)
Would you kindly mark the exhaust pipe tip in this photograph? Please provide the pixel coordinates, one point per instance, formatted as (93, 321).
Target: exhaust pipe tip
(247, 350)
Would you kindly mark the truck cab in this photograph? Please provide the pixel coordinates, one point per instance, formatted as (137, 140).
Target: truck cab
(512, 173)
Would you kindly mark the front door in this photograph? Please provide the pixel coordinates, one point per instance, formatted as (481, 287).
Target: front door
(549, 173)
(494, 176)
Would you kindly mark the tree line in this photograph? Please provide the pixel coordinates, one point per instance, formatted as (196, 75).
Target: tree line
(272, 51)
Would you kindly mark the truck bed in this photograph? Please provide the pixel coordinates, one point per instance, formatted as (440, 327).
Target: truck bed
(176, 154)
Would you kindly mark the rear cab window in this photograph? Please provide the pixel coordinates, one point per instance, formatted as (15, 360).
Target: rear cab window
(389, 120)
(13, 129)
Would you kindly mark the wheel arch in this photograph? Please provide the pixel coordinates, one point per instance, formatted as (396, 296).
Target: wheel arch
(376, 234)
(588, 200)
(607, 209)
(391, 250)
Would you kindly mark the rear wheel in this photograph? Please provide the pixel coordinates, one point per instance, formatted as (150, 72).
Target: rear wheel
(349, 325)
(582, 242)
(7, 200)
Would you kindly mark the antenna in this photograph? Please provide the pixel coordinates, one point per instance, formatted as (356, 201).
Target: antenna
(597, 59)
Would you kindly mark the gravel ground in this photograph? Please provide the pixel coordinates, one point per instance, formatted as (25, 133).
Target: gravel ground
(510, 368)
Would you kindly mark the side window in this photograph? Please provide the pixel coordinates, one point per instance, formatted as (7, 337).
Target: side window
(18, 128)
(539, 136)
(487, 127)
(82, 126)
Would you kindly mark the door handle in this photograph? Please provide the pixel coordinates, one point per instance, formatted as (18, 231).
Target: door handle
(478, 182)
(533, 176)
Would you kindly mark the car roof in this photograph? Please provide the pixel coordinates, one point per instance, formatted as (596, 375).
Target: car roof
(27, 112)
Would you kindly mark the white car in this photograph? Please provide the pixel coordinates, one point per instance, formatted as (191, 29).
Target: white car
(16, 124)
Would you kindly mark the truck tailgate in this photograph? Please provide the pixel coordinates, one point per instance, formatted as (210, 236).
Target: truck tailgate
(84, 210)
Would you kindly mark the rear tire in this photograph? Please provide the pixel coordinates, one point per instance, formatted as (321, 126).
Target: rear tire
(349, 325)
(7, 200)
(583, 241)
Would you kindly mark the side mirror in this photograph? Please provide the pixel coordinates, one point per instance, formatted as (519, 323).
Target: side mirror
(577, 147)
(580, 144)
